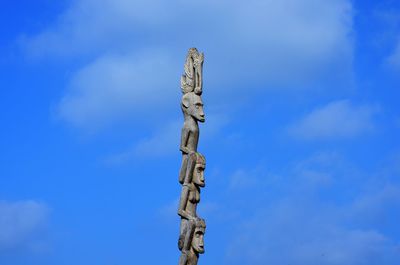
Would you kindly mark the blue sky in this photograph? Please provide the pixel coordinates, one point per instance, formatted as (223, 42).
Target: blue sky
(301, 135)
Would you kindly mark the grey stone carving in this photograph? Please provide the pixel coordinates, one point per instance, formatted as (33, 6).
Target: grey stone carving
(191, 174)
(192, 108)
(192, 79)
(190, 195)
(190, 255)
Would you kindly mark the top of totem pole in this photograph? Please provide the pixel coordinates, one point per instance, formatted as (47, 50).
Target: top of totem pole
(192, 79)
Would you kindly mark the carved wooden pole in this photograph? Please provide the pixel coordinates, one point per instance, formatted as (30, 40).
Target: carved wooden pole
(191, 174)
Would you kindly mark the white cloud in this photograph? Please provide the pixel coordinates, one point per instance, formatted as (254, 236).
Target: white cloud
(117, 86)
(394, 58)
(296, 220)
(293, 233)
(338, 119)
(242, 179)
(165, 141)
(298, 231)
(169, 212)
(19, 222)
(372, 207)
(89, 26)
(268, 43)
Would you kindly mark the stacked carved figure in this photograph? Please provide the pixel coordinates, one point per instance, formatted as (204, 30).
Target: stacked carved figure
(191, 175)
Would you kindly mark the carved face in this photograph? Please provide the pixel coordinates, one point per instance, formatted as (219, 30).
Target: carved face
(193, 105)
(198, 240)
(198, 174)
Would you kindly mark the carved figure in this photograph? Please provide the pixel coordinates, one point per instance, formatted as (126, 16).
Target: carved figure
(192, 108)
(192, 79)
(190, 254)
(190, 195)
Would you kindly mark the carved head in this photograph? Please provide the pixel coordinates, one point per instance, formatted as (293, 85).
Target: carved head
(198, 173)
(192, 105)
(191, 80)
(198, 236)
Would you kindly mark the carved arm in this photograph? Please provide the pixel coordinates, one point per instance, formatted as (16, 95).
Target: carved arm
(184, 140)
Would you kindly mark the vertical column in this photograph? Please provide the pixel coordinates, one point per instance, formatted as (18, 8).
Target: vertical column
(191, 174)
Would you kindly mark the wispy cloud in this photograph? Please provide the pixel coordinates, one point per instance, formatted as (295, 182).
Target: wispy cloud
(165, 140)
(267, 43)
(298, 220)
(117, 86)
(338, 119)
(169, 212)
(394, 58)
(92, 27)
(294, 233)
(20, 223)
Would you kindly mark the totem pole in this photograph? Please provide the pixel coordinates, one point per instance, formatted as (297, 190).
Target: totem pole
(191, 174)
